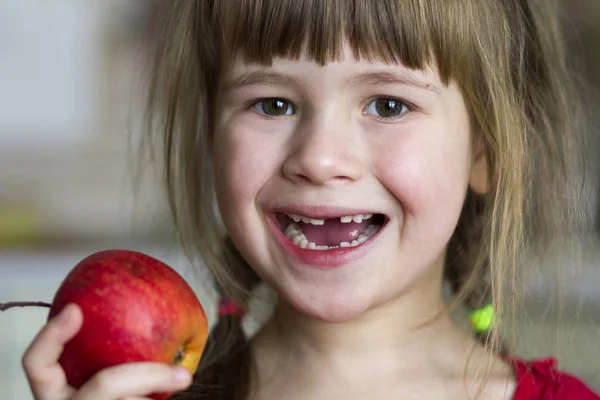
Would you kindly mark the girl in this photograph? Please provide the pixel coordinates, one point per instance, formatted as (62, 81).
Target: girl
(361, 154)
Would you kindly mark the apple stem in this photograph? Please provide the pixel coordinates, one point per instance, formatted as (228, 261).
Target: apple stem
(6, 306)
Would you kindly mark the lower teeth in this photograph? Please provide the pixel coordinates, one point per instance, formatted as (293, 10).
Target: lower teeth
(294, 233)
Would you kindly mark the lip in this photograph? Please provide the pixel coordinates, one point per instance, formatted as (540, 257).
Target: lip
(320, 259)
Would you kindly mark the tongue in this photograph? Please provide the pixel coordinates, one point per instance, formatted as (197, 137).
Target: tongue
(334, 232)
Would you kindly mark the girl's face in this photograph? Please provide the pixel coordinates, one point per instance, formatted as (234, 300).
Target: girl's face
(301, 150)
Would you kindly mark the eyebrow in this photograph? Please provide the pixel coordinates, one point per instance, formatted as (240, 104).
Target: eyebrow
(260, 77)
(266, 78)
(384, 77)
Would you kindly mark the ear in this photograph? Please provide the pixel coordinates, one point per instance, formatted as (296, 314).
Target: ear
(479, 178)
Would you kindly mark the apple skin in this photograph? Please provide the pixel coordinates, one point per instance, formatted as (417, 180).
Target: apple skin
(135, 308)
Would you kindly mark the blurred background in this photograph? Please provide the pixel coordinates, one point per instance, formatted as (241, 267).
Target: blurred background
(70, 94)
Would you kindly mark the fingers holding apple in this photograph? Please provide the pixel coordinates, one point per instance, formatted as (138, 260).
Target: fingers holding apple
(48, 381)
(135, 310)
(40, 361)
(133, 380)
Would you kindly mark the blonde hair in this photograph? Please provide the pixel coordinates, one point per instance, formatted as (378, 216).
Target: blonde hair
(506, 56)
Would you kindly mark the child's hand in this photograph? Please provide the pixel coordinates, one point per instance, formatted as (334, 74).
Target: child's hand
(49, 382)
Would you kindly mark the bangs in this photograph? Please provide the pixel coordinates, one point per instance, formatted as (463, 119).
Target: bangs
(407, 32)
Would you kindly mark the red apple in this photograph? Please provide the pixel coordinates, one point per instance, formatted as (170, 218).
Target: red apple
(135, 308)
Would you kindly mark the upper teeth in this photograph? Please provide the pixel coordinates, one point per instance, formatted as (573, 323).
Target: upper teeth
(345, 219)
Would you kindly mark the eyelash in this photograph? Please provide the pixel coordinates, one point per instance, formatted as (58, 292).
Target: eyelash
(254, 103)
(404, 105)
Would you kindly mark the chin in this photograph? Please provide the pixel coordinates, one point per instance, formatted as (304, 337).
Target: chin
(328, 307)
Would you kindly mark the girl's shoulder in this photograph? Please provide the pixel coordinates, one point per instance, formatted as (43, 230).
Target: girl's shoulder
(542, 380)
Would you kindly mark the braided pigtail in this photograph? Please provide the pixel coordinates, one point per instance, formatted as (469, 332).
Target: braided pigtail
(224, 371)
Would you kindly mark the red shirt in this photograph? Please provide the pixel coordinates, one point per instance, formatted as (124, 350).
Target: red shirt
(541, 380)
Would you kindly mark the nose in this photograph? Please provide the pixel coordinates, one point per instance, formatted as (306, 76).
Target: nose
(324, 154)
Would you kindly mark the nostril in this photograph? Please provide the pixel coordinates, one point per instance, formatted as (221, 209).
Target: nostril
(316, 180)
(304, 179)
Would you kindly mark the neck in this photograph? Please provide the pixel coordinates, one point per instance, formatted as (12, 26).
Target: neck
(392, 326)
(410, 330)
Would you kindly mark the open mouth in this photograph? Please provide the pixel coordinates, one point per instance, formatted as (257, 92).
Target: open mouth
(331, 233)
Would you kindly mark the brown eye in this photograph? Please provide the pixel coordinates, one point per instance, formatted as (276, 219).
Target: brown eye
(386, 108)
(274, 107)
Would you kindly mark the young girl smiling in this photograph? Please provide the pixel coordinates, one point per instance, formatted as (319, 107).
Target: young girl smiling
(361, 153)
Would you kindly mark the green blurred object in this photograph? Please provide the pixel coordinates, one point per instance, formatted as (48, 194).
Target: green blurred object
(483, 318)
(19, 225)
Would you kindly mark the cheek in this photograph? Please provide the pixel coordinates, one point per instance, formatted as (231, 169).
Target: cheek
(427, 171)
(244, 162)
